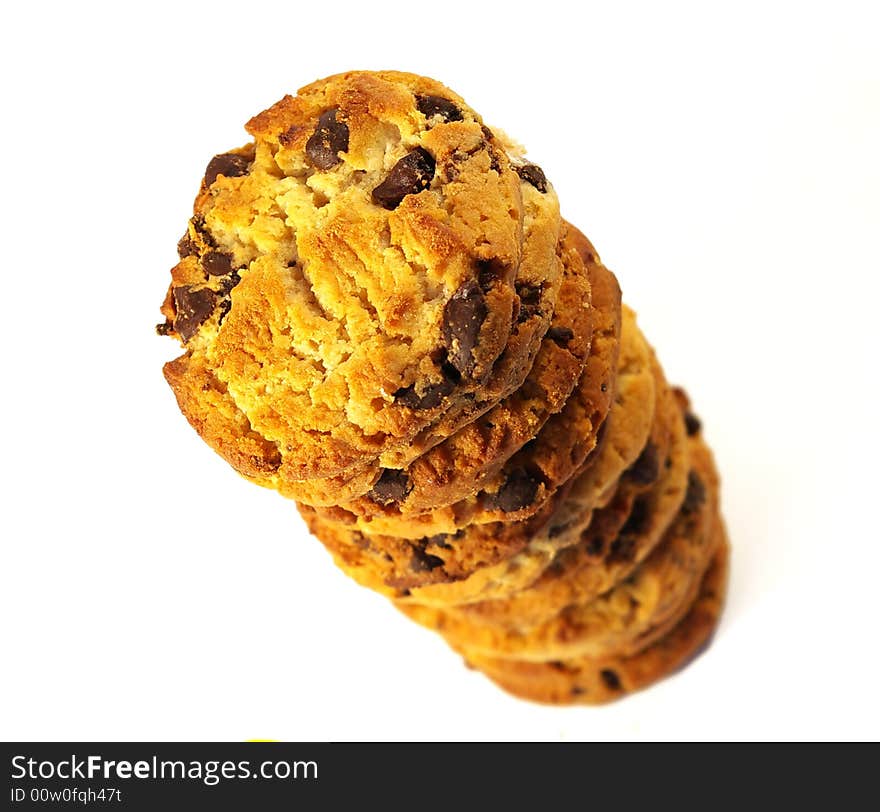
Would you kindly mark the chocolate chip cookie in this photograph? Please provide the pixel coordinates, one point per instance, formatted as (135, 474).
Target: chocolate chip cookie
(612, 542)
(621, 616)
(383, 317)
(482, 561)
(350, 277)
(596, 680)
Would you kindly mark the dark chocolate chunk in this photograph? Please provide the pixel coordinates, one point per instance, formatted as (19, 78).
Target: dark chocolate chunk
(217, 263)
(637, 521)
(595, 546)
(489, 271)
(228, 164)
(193, 307)
(463, 317)
(692, 424)
(392, 487)
(488, 144)
(532, 173)
(695, 495)
(227, 283)
(431, 106)
(518, 492)
(646, 468)
(329, 138)
(186, 247)
(164, 328)
(529, 301)
(422, 561)
(410, 175)
(610, 678)
(432, 395)
(223, 309)
(561, 335)
(441, 540)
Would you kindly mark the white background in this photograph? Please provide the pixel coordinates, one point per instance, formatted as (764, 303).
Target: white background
(727, 166)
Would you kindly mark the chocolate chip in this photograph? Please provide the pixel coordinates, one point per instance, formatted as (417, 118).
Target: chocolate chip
(692, 424)
(637, 521)
(223, 309)
(532, 173)
(610, 678)
(431, 106)
(392, 487)
(517, 492)
(186, 247)
(622, 549)
(488, 144)
(289, 135)
(227, 283)
(329, 138)
(695, 495)
(432, 395)
(199, 226)
(451, 171)
(360, 540)
(193, 307)
(164, 328)
(422, 561)
(561, 335)
(410, 175)
(489, 271)
(595, 546)
(441, 540)
(529, 301)
(217, 263)
(646, 468)
(228, 164)
(463, 317)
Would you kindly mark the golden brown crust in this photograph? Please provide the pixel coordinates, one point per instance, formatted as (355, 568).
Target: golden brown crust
(612, 541)
(510, 370)
(631, 606)
(206, 404)
(496, 559)
(384, 317)
(460, 480)
(596, 680)
(350, 277)
(457, 467)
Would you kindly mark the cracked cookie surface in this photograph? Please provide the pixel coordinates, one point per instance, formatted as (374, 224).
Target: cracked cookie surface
(349, 279)
(447, 482)
(496, 559)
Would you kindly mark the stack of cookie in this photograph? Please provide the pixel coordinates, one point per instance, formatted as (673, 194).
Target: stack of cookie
(385, 318)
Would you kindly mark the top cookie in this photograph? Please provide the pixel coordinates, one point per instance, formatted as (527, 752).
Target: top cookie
(350, 277)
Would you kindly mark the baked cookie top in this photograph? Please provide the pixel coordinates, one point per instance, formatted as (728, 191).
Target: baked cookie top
(349, 277)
